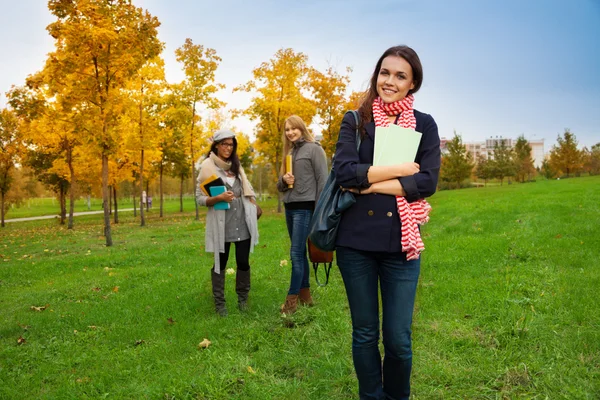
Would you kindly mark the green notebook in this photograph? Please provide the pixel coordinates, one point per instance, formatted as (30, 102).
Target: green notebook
(215, 191)
(395, 145)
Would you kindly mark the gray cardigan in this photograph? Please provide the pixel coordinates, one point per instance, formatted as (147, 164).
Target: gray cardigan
(214, 237)
(310, 173)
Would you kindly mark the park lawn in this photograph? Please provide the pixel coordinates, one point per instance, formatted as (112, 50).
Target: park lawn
(507, 307)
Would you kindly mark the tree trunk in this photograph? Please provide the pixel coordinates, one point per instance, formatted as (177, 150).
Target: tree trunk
(181, 194)
(147, 195)
(161, 189)
(116, 205)
(2, 209)
(63, 204)
(110, 199)
(194, 161)
(105, 199)
(72, 188)
(142, 214)
(89, 202)
(134, 206)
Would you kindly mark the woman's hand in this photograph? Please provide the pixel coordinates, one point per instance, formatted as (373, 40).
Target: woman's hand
(226, 196)
(408, 169)
(289, 178)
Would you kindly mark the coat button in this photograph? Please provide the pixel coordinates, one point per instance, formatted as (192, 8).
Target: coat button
(370, 213)
(389, 214)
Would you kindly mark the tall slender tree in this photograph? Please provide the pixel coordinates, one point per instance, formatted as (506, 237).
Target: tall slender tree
(99, 46)
(198, 90)
(502, 163)
(523, 161)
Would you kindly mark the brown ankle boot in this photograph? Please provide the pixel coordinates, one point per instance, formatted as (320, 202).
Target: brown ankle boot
(290, 305)
(305, 297)
(218, 288)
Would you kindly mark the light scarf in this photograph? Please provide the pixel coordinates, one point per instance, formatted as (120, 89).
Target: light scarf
(411, 214)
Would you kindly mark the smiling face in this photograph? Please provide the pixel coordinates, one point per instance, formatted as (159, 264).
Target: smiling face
(293, 134)
(395, 79)
(225, 148)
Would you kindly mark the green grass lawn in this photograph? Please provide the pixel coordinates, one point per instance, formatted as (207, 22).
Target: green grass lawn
(507, 307)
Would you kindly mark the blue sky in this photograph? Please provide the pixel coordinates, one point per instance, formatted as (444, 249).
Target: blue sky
(491, 68)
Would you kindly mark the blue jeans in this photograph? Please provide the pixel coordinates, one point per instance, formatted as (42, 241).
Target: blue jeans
(363, 272)
(297, 223)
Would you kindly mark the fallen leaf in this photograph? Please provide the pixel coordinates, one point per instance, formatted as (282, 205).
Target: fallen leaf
(204, 344)
(115, 289)
(251, 370)
(171, 321)
(41, 308)
(558, 236)
(138, 342)
(283, 263)
(21, 340)
(96, 289)
(230, 271)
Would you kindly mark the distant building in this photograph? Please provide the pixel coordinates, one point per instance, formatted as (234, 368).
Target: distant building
(537, 152)
(486, 148)
(492, 142)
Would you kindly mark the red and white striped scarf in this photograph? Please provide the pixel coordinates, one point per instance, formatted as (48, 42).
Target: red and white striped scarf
(411, 214)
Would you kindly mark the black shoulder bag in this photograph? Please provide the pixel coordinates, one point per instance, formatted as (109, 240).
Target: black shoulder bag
(332, 202)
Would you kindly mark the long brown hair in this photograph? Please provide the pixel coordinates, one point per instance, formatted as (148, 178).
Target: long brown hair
(365, 109)
(295, 122)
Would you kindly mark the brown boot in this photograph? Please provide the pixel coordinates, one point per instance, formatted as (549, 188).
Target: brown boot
(242, 287)
(218, 289)
(290, 305)
(305, 297)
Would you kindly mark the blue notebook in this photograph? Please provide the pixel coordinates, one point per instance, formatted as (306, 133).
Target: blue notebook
(215, 191)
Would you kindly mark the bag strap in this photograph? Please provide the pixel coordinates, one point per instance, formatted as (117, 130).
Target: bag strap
(358, 139)
(357, 120)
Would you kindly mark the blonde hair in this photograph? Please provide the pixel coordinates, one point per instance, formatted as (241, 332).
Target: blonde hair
(296, 123)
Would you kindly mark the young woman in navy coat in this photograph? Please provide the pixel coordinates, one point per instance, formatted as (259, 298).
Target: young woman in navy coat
(369, 245)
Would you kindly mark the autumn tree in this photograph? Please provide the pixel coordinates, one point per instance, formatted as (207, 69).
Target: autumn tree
(99, 46)
(198, 90)
(10, 154)
(566, 158)
(329, 91)
(280, 87)
(592, 162)
(483, 169)
(546, 170)
(50, 132)
(457, 163)
(144, 117)
(502, 162)
(523, 162)
(173, 140)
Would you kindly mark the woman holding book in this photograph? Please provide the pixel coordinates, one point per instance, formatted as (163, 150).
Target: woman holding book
(231, 218)
(302, 177)
(378, 243)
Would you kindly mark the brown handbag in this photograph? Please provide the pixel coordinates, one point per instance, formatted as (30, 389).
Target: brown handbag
(318, 256)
